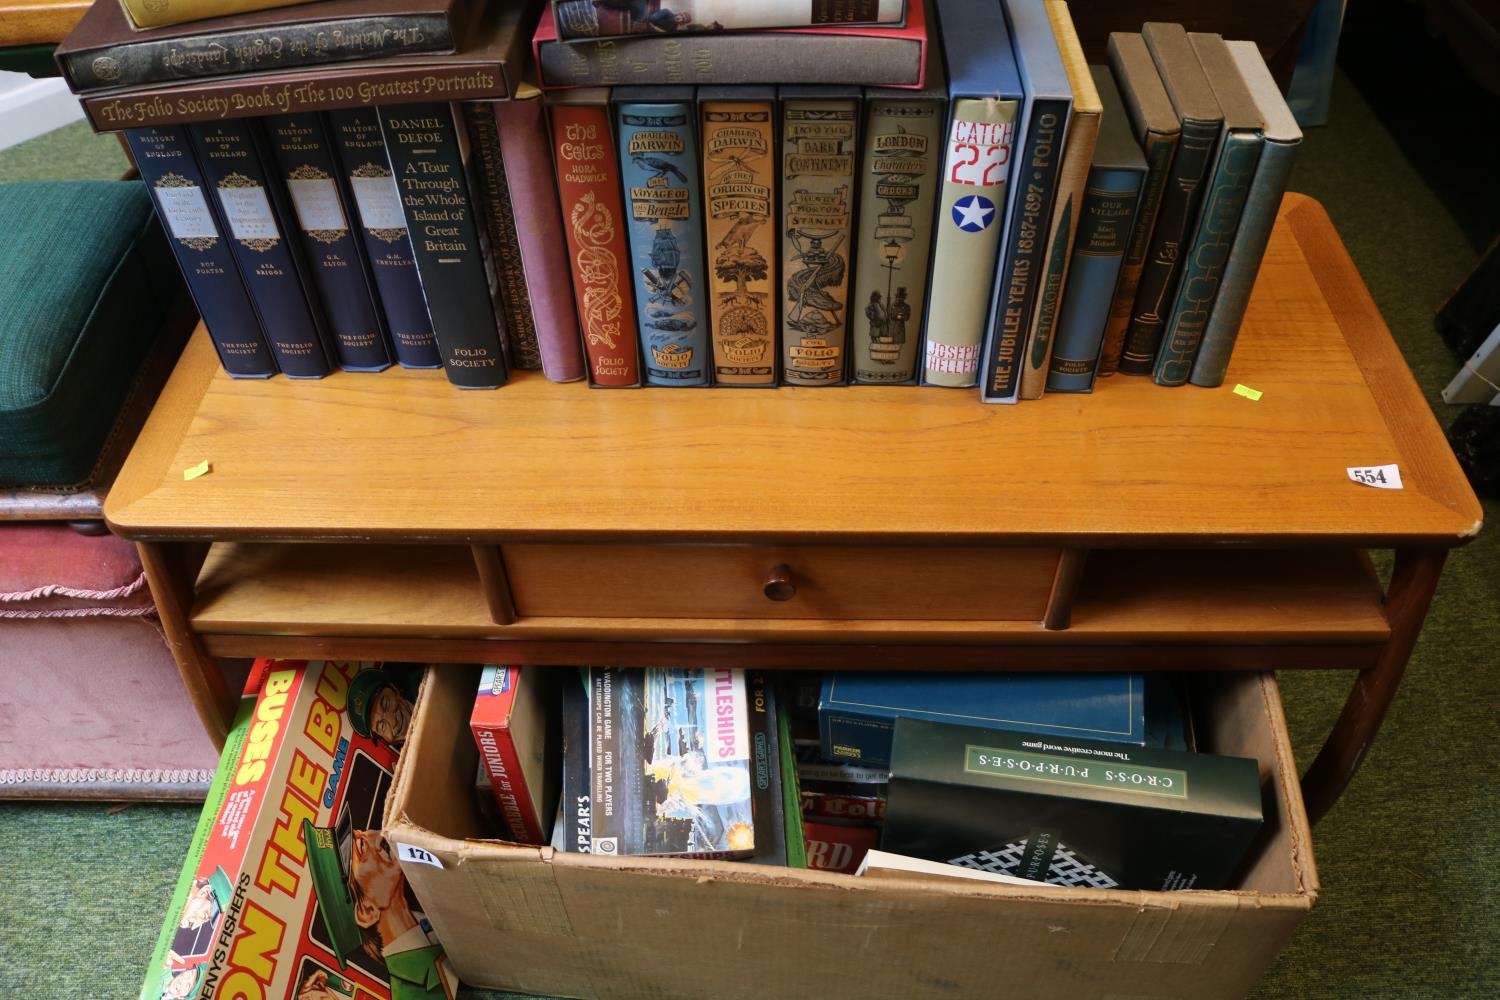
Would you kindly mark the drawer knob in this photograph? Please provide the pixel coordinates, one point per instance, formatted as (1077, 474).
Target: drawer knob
(779, 585)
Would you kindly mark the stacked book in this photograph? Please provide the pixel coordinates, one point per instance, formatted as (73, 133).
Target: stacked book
(702, 192)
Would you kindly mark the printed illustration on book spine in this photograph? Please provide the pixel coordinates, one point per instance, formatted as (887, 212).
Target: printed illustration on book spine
(659, 166)
(899, 189)
(818, 148)
(613, 18)
(593, 220)
(739, 185)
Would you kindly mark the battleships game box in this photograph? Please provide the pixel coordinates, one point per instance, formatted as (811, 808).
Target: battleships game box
(1068, 811)
(289, 889)
(672, 763)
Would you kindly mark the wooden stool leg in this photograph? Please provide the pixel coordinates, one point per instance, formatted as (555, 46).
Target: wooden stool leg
(171, 570)
(1413, 582)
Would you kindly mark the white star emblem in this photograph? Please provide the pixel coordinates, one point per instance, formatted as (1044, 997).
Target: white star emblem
(972, 214)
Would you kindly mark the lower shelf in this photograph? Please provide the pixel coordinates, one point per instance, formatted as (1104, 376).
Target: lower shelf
(1189, 609)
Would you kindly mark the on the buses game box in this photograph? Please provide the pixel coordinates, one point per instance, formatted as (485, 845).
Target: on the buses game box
(290, 891)
(672, 762)
(1069, 811)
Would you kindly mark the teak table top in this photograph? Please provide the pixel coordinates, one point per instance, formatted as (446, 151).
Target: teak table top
(38, 22)
(403, 455)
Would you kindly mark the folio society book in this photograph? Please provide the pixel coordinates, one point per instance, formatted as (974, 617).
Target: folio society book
(1070, 812)
(104, 50)
(521, 126)
(498, 236)
(200, 241)
(1045, 116)
(1105, 222)
(376, 206)
(873, 55)
(857, 712)
(304, 159)
(234, 165)
(984, 87)
(1072, 179)
(423, 144)
(1158, 130)
(266, 905)
(1219, 220)
(898, 186)
(819, 142)
(516, 725)
(1282, 138)
(488, 68)
(1202, 123)
(659, 171)
(737, 126)
(619, 18)
(594, 225)
(672, 762)
(767, 797)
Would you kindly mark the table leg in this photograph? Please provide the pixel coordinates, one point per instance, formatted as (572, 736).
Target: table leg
(1414, 579)
(171, 570)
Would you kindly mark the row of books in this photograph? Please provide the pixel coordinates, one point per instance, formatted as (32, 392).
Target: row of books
(1021, 222)
(798, 771)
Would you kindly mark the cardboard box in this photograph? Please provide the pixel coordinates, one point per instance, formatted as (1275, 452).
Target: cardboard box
(579, 925)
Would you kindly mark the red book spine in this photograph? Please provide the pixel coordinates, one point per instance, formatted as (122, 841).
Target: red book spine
(588, 185)
(533, 199)
(502, 762)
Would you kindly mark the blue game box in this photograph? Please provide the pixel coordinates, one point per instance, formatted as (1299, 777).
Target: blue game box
(857, 711)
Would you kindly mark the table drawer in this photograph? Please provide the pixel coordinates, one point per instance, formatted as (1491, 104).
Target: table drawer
(942, 583)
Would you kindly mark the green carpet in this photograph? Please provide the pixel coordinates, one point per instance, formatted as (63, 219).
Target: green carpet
(1410, 907)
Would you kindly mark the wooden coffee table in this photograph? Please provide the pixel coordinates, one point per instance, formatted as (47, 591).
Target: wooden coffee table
(391, 516)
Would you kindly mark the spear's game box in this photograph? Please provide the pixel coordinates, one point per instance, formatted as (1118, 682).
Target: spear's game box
(672, 763)
(290, 891)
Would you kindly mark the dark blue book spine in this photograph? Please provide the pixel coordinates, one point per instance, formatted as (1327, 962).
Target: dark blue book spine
(422, 142)
(376, 207)
(232, 165)
(1109, 206)
(1178, 212)
(1034, 186)
(304, 159)
(164, 157)
(659, 172)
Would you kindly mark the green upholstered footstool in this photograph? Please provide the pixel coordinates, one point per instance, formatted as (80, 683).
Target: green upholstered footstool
(87, 281)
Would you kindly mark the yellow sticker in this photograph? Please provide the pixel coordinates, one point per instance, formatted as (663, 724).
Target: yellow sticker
(1251, 394)
(201, 469)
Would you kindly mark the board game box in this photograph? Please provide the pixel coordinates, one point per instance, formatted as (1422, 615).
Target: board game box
(672, 763)
(290, 891)
(1070, 812)
(514, 722)
(856, 710)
